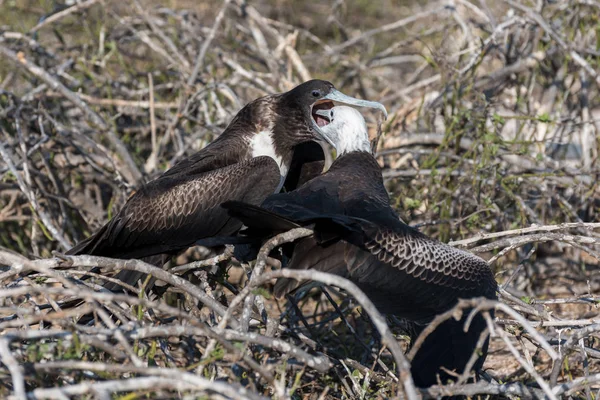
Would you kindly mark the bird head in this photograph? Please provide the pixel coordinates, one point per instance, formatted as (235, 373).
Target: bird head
(318, 95)
(346, 129)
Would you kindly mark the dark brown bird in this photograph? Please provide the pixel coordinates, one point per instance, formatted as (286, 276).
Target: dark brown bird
(359, 236)
(247, 162)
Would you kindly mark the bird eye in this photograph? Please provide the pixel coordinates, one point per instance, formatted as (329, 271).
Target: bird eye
(331, 116)
(316, 93)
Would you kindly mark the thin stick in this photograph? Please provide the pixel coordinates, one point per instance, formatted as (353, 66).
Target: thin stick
(543, 384)
(178, 381)
(14, 368)
(151, 162)
(133, 174)
(385, 28)
(61, 14)
(334, 280)
(261, 262)
(199, 64)
(33, 201)
(158, 273)
(520, 231)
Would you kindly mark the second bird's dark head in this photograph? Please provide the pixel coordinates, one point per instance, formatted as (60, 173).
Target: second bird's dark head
(296, 110)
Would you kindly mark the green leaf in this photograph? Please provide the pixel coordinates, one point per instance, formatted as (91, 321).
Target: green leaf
(545, 118)
(498, 119)
(526, 299)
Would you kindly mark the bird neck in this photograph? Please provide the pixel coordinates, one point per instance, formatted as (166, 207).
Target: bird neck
(360, 183)
(256, 125)
(350, 146)
(359, 163)
(265, 143)
(351, 138)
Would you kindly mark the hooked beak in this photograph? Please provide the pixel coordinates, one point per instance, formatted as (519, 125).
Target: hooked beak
(324, 113)
(327, 103)
(336, 95)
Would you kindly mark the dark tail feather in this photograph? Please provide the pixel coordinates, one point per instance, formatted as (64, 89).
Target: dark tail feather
(92, 246)
(449, 347)
(89, 245)
(258, 218)
(327, 227)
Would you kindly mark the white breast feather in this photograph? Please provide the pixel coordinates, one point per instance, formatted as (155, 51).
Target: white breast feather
(262, 145)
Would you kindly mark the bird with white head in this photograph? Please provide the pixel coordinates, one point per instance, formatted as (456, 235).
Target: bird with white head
(346, 130)
(358, 235)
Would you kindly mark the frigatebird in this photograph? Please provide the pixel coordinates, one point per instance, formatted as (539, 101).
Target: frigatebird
(359, 236)
(247, 162)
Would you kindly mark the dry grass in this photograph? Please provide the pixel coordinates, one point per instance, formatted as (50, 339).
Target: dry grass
(494, 127)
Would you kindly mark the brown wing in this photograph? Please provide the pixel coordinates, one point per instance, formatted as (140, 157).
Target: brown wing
(173, 212)
(429, 260)
(402, 271)
(413, 276)
(221, 152)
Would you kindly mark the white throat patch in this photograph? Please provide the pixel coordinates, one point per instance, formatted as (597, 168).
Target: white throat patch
(262, 145)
